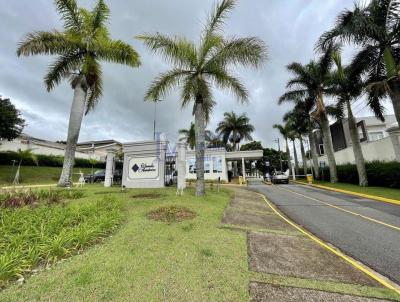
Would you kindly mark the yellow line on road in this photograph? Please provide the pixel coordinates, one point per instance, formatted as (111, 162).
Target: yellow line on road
(387, 283)
(345, 210)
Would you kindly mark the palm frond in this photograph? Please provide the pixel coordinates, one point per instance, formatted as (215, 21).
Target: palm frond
(100, 15)
(62, 68)
(292, 96)
(48, 43)
(69, 12)
(216, 19)
(116, 51)
(225, 81)
(164, 82)
(178, 51)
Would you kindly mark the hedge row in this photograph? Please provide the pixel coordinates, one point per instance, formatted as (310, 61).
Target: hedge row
(6, 158)
(380, 174)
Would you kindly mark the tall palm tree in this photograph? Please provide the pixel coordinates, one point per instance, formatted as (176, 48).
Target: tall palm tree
(198, 67)
(84, 42)
(374, 27)
(347, 86)
(234, 128)
(189, 136)
(284, 130)
(312, 81)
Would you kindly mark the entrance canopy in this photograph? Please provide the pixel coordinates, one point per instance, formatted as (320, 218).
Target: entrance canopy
(246, 155)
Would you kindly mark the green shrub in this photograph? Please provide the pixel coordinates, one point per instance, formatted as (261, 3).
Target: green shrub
(44, 234)
(7, 157)
(380, 174)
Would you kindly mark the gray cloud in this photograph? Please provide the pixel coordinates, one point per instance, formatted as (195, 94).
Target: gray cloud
(290, 29)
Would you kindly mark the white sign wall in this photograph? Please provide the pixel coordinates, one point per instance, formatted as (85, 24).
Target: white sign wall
(143, 168)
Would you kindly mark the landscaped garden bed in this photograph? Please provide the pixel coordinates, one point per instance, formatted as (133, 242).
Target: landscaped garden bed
(38, 228)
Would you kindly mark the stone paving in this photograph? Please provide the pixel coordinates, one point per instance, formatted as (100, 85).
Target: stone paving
(288, 254)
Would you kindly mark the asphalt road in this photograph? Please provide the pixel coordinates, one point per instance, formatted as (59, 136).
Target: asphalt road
(366, 230)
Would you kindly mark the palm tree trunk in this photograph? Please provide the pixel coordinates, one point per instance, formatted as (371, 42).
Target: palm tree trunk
(288, 155)
(74, 127)
(314, 155)
(303, 156)
(395, 97)
(358, 155)
(296, 160)
(328, 147)
(200, 143)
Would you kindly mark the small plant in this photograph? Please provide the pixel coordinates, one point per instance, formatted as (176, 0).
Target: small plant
(206, 252)
(171, 214)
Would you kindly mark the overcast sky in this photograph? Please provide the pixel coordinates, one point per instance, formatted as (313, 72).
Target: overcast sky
(289, 28)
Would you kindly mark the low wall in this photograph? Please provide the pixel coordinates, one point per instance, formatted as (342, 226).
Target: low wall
(381, 150)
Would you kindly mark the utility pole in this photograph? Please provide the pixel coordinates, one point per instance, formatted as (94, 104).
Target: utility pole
(155, 117)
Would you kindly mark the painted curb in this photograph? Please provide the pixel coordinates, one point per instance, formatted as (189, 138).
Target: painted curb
(356, 264)
(377, 198)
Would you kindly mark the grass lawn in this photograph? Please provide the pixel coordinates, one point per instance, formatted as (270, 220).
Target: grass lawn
(377, 191)
(146, 260)
(36, 175)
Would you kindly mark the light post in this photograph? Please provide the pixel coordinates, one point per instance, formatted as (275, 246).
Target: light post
(155, 117)
(279, 150)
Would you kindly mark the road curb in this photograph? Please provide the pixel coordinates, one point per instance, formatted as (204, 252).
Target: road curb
(356, 264)
(373, 197)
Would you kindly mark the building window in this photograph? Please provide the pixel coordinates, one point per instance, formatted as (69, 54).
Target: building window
(321, 149)
(374, 136)
(207, 165)
(192, 165)
(217, 164)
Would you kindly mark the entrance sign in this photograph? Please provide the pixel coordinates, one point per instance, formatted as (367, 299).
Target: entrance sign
(143, 168)
(144, 164)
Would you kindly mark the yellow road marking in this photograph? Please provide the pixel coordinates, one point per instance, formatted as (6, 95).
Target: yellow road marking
(387, 283)
(347, 211)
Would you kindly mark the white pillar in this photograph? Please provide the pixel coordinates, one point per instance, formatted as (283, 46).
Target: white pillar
(108, 179)
(181, 163)
(243, 169)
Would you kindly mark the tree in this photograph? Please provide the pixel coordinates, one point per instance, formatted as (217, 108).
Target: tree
(251, 146)
(347, 84)
(213, 140)
(234, 128)
(274, 157)
(375, 28)
(11, 123)
(189, 135)
(84, 42)
(197, 67)
(284, 130)
(312, 81)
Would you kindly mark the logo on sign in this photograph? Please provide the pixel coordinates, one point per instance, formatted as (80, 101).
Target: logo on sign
(143, 168)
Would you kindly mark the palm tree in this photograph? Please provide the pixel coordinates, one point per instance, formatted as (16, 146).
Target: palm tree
(347, 86)
(375, 28)
(197, 67)
(214, 140)
(84, 42)
(235, 128)
(284, 130)
(189, 136)
(312, 81)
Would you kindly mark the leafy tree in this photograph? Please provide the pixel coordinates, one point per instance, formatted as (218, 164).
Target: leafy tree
(197, 67)
(11, 123)
(189, 135)
(251, 146)
(80, 47)
(312, 82)
(234, 128)
(274, 157)
(375, 28)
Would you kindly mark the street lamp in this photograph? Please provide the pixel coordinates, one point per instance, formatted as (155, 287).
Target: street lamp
(279, 150)
(155, 117)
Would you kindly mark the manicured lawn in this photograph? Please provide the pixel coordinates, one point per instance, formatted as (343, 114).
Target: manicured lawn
(377, 191)
(146, 260)
(35, 175)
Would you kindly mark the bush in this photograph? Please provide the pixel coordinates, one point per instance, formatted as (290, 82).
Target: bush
(380, 174)
(45, 234)
(7, 157)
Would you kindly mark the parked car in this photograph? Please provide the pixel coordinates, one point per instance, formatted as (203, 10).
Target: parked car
(280, 177)
(99, 176)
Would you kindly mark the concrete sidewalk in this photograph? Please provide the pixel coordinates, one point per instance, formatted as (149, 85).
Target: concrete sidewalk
(284, 265)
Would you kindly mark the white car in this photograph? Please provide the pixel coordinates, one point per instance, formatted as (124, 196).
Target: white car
(280, 177)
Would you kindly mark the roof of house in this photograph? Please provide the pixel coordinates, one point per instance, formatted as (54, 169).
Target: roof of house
(374, 121)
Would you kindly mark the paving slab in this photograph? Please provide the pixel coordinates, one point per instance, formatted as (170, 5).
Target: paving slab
(300, 257)
(262, 292)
